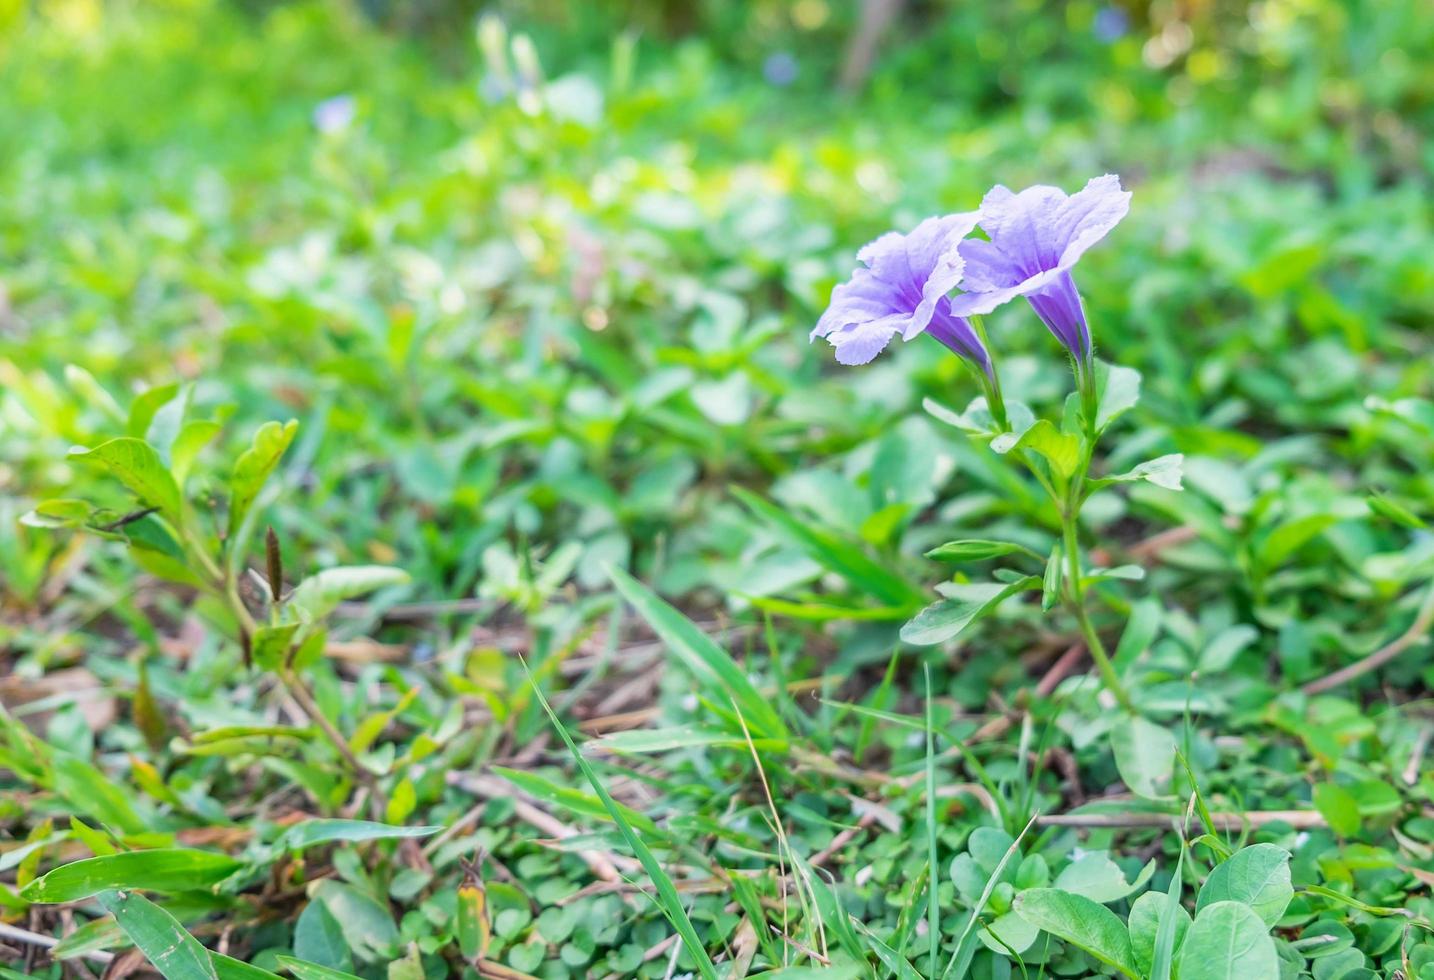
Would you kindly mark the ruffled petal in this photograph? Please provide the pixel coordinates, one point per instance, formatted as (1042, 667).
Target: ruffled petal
(1018, 224)
(859, 343)
(933, 252)
(987, 267)
(860, 299)
(1087, 216)
(978, 303)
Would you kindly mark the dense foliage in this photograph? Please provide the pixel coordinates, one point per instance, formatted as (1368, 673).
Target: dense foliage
(429, 545)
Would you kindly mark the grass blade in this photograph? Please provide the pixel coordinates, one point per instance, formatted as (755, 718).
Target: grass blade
(715, 669)
(667, 898)
(966, 946)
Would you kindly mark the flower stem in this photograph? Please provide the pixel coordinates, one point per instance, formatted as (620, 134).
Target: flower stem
(1075, 601)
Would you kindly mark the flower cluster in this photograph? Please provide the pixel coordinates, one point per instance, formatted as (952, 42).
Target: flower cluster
(1034, 239)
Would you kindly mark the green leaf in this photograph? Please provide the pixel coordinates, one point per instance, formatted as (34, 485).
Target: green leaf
(1257, 876)
(1058, 448)
(367, 923)
(1163, 471)
(1051, 584)
(195, 435)
(305, 970)
(720, 676)
(1227, 941)
(1144, 756)
(59, 513)
(320, 594)
(1394, 511)
(1080, 922)
(1095, 876)
(640, 740)
(572, 798)
(159, 936)
(228, 968)
(667, 897)
(319, 938)
(253, 467)
(1140, 631)
(963, 605)
(1144, 925)
(160, 869)
(1167, 935)
(976, 549)
(135, 463)
(846, 558)
(326, 831)
(270, 645)
(1221, 651)
(1119, 391)
(1338, 807)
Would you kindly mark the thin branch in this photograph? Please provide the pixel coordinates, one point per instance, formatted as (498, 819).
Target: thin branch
(1298, 819)
(16, 934)
(1422, 621)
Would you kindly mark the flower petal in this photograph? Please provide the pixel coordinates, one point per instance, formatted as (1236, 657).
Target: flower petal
(933, 251)
(1087, 216)
(858, 343)
(1018, 224)
(860, 299)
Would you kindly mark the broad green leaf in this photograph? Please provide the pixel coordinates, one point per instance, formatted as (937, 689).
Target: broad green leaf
(195, 435)
(253, 467)
(145, 405)
(1118, 392)
(320, 594)
(161, 869)
(1257, 876)
(1221, 651)
(1144, 926)
(326, 831)
(1338, 807)
(1095, 876)
(1140, 631)
(963, 605)
(367, 924)
(846, 558)
(159, 936)
(1144, 756)
(719, 675)
(135, 463)
(1058, 448)
(1080, 922)
(1228, 941)
(1163, 471)
(319, 938)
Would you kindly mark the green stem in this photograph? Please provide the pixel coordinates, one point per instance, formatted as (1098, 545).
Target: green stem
(1076, 602)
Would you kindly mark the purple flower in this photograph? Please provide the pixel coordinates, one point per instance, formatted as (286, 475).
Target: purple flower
(1111, 24)
(780, 69)
(1036, 238)
(902, 288)
(335, 114)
